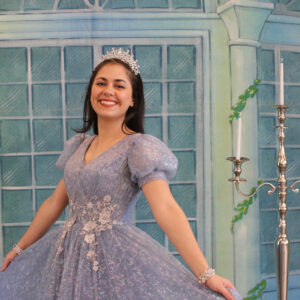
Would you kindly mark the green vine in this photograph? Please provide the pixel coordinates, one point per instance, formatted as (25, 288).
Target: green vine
(256, 292)
(250, 92)
(243, 206)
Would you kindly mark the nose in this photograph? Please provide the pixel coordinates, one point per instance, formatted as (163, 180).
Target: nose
(108, 91)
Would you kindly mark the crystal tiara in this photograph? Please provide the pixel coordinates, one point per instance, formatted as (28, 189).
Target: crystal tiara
(123, 56)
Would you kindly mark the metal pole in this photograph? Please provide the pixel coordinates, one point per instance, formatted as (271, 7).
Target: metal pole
(282, 241)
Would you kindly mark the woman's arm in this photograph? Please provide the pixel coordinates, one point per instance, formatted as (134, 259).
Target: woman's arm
(172, 220)
(48, 213)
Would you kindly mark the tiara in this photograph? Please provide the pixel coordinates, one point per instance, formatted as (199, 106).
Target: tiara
(123, 56)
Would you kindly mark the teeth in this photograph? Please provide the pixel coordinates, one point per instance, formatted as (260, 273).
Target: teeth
(107, 102)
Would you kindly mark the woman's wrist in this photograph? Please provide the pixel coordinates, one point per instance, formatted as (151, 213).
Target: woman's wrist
(17, 249)
(204, 276)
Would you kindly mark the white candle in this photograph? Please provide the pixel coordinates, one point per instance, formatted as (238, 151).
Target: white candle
(281, 95)
(239, 138)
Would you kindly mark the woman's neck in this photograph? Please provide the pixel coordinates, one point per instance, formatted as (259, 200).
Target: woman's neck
(108, 131)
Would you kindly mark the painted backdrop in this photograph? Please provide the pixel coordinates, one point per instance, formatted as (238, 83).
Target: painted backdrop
(196, 58)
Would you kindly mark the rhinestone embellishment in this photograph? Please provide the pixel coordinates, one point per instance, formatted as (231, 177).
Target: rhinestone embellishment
(124, 56)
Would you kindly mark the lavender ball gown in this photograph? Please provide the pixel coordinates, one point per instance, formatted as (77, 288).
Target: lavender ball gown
(97, 253)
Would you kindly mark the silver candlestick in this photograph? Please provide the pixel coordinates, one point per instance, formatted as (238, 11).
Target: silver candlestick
(282, 241)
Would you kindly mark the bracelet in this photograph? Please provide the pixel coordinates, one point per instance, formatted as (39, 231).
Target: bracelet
(17, 249)
(203, 277)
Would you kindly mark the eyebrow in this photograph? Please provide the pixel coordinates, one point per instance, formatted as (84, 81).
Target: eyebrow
(117, 80)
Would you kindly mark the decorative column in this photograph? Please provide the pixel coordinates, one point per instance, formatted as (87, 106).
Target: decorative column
(244, 21)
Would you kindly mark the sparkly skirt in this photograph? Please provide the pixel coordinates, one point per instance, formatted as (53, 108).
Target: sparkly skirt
(124, 263)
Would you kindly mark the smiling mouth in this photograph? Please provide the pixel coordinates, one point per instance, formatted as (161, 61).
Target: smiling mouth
(107, 102)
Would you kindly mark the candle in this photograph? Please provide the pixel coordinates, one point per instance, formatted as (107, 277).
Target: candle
(281, 95)
(239, 138)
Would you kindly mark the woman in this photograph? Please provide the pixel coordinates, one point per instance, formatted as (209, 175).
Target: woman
(98, 254)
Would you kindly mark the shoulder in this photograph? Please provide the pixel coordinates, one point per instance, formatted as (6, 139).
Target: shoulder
(149, 150)
(149, 159)
(70, 147)
(77, 139)
(148, 141)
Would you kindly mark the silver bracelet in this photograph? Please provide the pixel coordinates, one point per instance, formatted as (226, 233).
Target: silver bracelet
(203, 277)
(17, 249)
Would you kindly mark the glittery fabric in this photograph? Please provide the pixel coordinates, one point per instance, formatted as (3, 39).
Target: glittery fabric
(98, 253)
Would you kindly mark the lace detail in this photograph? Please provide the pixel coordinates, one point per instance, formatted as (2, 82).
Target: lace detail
(95, 215)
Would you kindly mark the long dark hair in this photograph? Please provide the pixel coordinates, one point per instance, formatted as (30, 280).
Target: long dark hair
(134, 117)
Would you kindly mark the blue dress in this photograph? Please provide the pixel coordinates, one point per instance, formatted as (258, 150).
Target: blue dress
(97, 253)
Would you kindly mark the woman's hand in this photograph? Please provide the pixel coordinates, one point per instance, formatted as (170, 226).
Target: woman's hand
(10, 256)
(220, 285)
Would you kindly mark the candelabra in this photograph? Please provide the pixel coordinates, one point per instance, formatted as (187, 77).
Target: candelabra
(282, 241)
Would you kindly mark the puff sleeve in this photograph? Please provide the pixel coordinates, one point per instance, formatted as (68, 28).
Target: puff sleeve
(150, 159)
(70, 147)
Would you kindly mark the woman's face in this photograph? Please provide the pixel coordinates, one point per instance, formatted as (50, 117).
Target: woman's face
(111, 93)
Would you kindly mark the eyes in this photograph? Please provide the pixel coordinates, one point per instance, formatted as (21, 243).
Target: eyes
(116, 85)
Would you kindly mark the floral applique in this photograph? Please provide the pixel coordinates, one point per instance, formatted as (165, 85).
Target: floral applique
(100, 221)
(96, 215)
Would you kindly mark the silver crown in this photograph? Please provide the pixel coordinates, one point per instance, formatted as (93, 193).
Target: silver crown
(124, 56)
